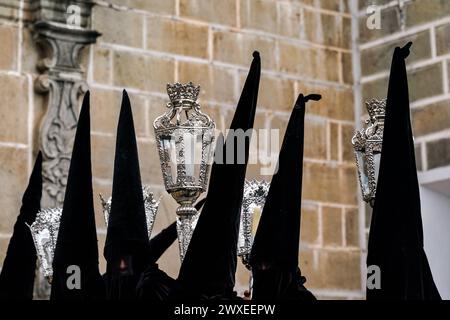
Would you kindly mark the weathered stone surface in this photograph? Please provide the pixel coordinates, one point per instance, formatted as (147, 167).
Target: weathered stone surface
(334, 141)
(431, 118)
(438, 153)
(332, 226)
(259, 14)
(432, 76)
(443, 39)
(340, 269)
(215, 11)
(177, 37)
(419, 12)
(102, 65)
(14, 175)
(290, 20)
(117, 26)
(237, 48)
(329, 183)
(331, 30)
(378, 59)
(315, 146)
(337, 6)
(328, 269)
(307, 62)
(217, 84)
(375, 89)
(347, 68)
(347, 132)
(309, 232)
(8, 39)
(102, 156)
(352, 227)
(153, 6)
(14, 108)
(142, 72)
(149, 162)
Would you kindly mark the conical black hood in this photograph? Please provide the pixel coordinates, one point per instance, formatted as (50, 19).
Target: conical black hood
(76, 245)
(215, 237)
(127, 243)
(18, 271)
(276, 245)
(161, 242)
(396, 235)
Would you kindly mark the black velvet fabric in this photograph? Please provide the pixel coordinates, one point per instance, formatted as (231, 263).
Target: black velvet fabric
(274, 256)
(208, 269)
(127, 244)
(396, 235)
(161, 242)
(154, 284)
(18, 271)
(77, 238)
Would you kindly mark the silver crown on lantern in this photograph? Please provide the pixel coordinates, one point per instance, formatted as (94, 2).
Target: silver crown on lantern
(255, 194)
(179, 93)
(367, 143)
(44, 231)
(151, 208)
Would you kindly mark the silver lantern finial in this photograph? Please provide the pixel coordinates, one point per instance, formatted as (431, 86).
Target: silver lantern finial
(44, 231)
(367, 144)
(184, 138)
(255, 194)
(150, 204)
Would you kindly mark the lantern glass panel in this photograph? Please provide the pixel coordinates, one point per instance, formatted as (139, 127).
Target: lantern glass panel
(364, 180)
(170, 150)
(193, 156)
(377, 160)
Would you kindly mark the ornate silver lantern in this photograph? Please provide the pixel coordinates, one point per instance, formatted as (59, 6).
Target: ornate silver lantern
(150, 204)
(44, 231)
(255, 194)
(184, 137)
(367, 144)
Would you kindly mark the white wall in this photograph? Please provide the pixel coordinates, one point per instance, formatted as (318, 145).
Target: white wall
(436, 224)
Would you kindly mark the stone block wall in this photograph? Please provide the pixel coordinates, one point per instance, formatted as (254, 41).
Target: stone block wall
(305, 46)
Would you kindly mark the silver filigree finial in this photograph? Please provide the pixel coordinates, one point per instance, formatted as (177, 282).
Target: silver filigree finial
(255, 194)
(150, 203)
(44, 231)
(179, 93)
(368, 143)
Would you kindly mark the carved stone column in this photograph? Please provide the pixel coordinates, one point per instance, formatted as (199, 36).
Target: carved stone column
(61, 30)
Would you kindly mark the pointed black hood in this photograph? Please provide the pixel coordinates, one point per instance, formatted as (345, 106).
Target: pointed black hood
(274, 256)
(215, 237)
(77, 237)
(127, 243)
(155, 285)
(18, 271)
(396, 235)
(161, 242)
